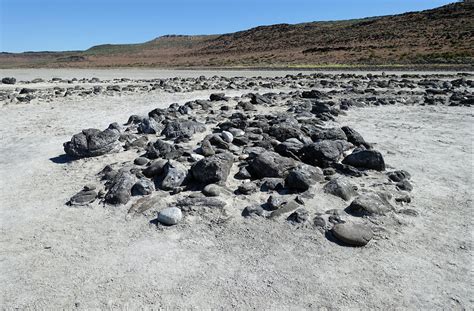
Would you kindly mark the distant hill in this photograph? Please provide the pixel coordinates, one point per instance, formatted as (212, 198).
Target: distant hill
(441, 36)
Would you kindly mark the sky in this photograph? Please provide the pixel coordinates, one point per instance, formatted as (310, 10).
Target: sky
(58, 25)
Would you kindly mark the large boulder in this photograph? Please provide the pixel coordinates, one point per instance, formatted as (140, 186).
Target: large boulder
(120, 190)
(182, 128)
(367, 159)
(92, 143)
(213, 169)
(8, 80)
(270, 164)
(323, 153)
(369, 204)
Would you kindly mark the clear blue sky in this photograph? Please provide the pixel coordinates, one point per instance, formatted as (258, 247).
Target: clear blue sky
(38, 25)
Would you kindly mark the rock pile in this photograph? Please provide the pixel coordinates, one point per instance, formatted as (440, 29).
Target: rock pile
(273, 154)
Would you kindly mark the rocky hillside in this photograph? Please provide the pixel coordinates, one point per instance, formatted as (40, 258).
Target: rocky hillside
(439, 36)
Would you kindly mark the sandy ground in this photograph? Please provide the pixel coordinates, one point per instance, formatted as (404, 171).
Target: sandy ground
(53, 256)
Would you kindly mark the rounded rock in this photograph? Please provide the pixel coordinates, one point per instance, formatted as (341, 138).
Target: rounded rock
(352, 234)
(170, 216)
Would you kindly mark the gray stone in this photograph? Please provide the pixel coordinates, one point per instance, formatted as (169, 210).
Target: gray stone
(369, 204)
(174, 174)
(143, 187)
(195, 203)
(353, 234)
(150, 126)
(227, 136)
(272, 183)
(243, 173)
(275, 202)
(141, 161)
(299, 216)
(252, 210)
(397, 176)
(170, 216)
(247, 188)
(341, 187)
(212, 190)
(206, 148)
(83, 197)
(404, 185)
(236, 132)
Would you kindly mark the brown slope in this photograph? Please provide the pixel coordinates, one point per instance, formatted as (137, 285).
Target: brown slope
(439, 36)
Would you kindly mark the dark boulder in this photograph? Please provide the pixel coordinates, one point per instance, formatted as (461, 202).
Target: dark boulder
(182, 128)
(217, 97)
(328, 134)
(323, 153)
(155, 168)
(8, 80)
(258, 99)
(270, 164)
(121, 188)
(213, 169)
(284, 131)
(162, 149)
(290, 148)
(404, 185)
(302, 177)
(354, 137)
(92, 143)
(367, 159)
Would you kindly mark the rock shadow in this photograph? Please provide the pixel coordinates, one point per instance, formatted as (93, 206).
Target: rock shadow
(62, 159)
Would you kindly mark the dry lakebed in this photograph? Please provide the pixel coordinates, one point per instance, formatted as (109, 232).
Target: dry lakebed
(236, 189)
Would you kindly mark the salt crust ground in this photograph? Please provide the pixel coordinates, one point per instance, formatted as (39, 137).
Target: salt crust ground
(52, 256)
